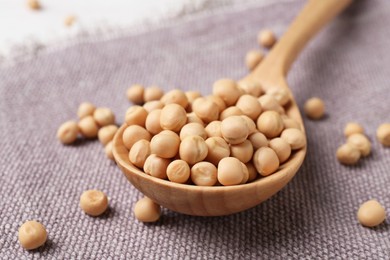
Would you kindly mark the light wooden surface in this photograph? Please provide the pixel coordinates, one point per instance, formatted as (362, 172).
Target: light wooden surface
(224, 200)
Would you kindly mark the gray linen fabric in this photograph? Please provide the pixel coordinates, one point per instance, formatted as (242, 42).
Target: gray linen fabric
(314, 217)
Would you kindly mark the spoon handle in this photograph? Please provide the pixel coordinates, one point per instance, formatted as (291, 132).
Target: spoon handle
(311, 19)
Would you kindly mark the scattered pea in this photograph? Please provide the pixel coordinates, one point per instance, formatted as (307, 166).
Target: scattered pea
(253, 58)
(371, 213)
(134, 133)
(314, 108)
(32, 235)
(69, 20)
(152, 93)
(152, 123)
(280, 94)
(270, 124)
(153, 105)
(214, 129)
(243, 151)
(107, 133)
(104, 116)
(269, 103)
(178, 171)
(88, 127)
(219, 101)
(93, 202)
(258, 140)
(165, 144)
(139, 152)
(290, 123)
(192, 95)
(266, 38)
(217, 149)
(353, 128)
(252, 128)
(234, 129)
(156, 166)
(85, 109)
(252, 172)
(135, 94)
(360, 142)
(173, 117)
(175, 96)
(251, 87)
(205, 109)
(136, 115)
(146, 210)
(226, 89)
(204, 174)
(347, 154)
(34, 4)
(193, 118)
(266, 161)
(230, 111)
(383, 134)
(108, 151)
(67, 132)
(193, 149)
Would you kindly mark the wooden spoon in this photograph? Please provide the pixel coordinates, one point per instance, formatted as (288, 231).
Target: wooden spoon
(224, 200)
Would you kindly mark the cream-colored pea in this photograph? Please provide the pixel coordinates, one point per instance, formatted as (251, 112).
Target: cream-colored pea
(252, 172)
(230, 171)
(88, 127)
(173, 117)
(193, 149)
(226, 89)
(353, 128)
(383, 134)
(93, 202)
(280, 94)
(347, 154)
(107, 133)
(219, 101)
(243, 151)
(371, 213)
(204, 174)
(135, 94)
(152, 123)
(266, 161)
(250, 106)
(104, 116)
(146, 210)
(136, 115)
(178, 171)
(217, 149)
(165, 144)
(34, 4)
(281, 148)
(205, 109)
(269, 103)
(214, 129)
(266, 38)
(258, 140)
(290, 123)
(139, 152)
(108, 151)
(156, 166)
(193, 118)
(152, 93)
(294, 137)
(134, 133)
(153, 105)
(245, 172)
(193, 129)
(234, 130)
(32, 235)
(175, 96)
(230, 111)
(192, 95)
(85, 109)
(252, 128)
(67, 132)
(270, 124)
(251, 87)
(253, 58)
(314, 108)
(360, 142)
(69, 20)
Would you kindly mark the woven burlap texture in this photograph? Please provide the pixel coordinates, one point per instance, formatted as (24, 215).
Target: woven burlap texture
(313, 217)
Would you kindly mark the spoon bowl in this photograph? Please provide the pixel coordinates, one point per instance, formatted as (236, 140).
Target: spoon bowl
(225, 200)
